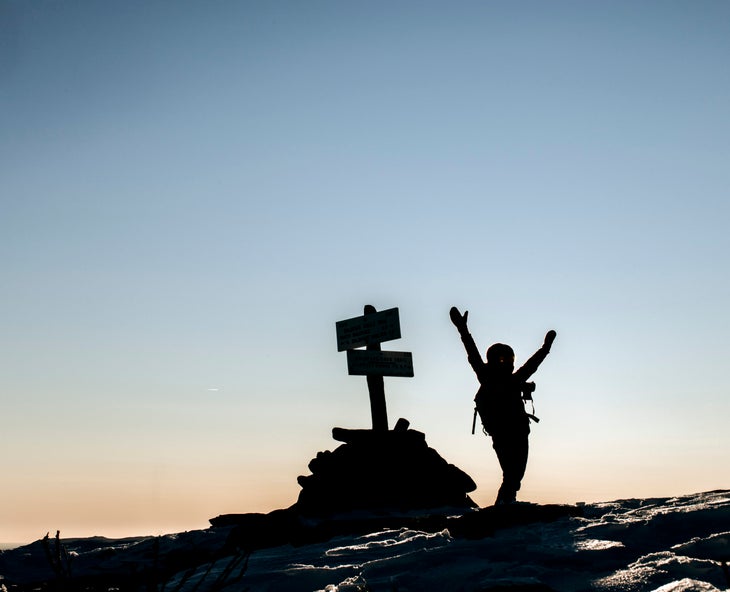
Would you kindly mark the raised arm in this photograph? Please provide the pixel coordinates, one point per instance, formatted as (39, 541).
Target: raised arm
(472, 352)
(531, 365)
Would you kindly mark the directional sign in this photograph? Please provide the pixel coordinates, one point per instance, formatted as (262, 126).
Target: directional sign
(382, 363)
(368, 329)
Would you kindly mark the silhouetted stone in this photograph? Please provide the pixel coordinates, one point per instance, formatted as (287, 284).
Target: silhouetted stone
(401, 425)
(484, 522)
(381, 470)
(368, 437)
(259, 531)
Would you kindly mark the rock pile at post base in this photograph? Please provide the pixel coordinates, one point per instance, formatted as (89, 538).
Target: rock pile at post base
(392, 470)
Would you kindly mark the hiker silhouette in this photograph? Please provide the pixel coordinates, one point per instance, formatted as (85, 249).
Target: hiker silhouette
(499, 402)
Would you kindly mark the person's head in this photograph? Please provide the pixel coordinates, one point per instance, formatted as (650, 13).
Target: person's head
(501, 357)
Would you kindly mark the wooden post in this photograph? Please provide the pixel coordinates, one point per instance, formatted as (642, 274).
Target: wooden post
(376, 389)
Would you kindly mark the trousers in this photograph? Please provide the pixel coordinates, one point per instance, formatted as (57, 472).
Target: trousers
(512, 450)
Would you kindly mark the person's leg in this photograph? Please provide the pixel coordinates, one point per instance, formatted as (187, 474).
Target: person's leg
(520, 452)
(512, 454)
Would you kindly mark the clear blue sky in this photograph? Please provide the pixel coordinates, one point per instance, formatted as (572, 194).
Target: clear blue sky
(193, 193)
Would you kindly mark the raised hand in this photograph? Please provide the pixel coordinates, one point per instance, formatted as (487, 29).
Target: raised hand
(457, 318)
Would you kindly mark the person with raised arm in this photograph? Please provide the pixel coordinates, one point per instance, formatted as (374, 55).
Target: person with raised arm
(499, 402)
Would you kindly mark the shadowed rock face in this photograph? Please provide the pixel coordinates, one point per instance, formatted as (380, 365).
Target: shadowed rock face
(381, 470)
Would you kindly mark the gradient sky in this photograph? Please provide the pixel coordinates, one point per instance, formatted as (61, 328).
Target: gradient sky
(193, 193)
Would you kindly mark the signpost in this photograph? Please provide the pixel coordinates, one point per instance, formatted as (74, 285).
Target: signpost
(370, 330)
